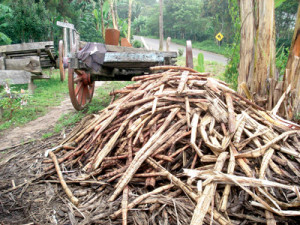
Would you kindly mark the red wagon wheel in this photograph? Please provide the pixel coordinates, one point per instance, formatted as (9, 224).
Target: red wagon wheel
(189, 55)
(61, 58)
(81, 88)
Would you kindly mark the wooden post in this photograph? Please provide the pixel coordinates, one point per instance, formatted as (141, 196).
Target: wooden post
(31, 87)
(161, 26)
(247, 43)
(77, 40)
(71, 38)
(65, 40)
(2, 64)
(168, 44)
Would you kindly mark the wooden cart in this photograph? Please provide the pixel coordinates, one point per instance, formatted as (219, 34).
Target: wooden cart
(119, 64)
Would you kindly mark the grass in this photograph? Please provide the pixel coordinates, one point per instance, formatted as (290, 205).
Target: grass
(100, 100)
(48, 93)
(216, 69)
(207, 45)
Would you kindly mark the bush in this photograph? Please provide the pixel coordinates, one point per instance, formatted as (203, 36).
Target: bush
(180, 52)
(137, 44)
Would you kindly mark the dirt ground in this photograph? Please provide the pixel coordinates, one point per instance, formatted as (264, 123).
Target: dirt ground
(20, 166)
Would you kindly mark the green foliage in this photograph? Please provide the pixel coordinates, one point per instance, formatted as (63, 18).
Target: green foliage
(5, 13)
(12, 100)
(29, 21)
(285, 13)
(200, 66)
(48, 93)
(282, 55)
(137, 44)
(233, 52)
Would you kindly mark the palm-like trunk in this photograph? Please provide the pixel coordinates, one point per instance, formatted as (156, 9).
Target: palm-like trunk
(246, 65)
(264, 65)
(129, 20)
(257, 52)
(102, 20)
(111, 3)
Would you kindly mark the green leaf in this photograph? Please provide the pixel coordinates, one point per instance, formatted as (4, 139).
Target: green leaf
(278, 3)
(4, 39)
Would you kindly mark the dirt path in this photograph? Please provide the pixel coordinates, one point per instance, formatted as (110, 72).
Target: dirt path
(35, 129)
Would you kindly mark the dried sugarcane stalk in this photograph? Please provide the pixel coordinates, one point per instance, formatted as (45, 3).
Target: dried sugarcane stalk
(205, 198)
(141, 198)
(226, 192)
(125, 205)
(231, 116)
(261, 150)
(64, 185)
(147, 151)
(167, 117)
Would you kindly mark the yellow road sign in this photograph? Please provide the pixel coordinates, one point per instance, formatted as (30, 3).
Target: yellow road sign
(219, 36)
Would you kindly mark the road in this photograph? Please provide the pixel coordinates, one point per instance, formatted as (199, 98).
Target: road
(209, 56)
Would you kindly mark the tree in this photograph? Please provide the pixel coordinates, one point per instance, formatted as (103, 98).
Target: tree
(129, 20)
(263, 69)
(161, 26)
(30, 21)
(113, 14)
(246, 65)
(5, 12)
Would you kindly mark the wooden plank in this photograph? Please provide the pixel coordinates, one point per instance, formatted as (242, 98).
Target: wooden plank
(15, 76)
(49, 53)
(115, 57)
(30, 64)
(64, 24)
(25, 46)
(43, 76)
(113, 48)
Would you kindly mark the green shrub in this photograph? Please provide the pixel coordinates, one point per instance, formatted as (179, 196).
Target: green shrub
(137, 44)
(200, 66)
(180, 52)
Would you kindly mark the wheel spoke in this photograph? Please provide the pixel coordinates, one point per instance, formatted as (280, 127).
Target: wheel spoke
(78, 88)
(77, 79)
(85, 93)
(80, 96)
(88, 94)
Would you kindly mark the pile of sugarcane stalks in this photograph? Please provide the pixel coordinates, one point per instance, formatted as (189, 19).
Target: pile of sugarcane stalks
(180, 147)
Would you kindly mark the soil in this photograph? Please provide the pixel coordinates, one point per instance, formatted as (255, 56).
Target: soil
(22, 202)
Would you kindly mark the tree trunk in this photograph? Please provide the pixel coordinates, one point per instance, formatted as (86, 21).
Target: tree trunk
(264, 65)
(111, 3)
(292, 75)
(102, 20)
(161, 29)
(129, 20)
(246, 65)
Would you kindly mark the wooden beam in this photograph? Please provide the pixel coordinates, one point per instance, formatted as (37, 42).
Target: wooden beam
(113, 48)
(15, 76)
(25, 46)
